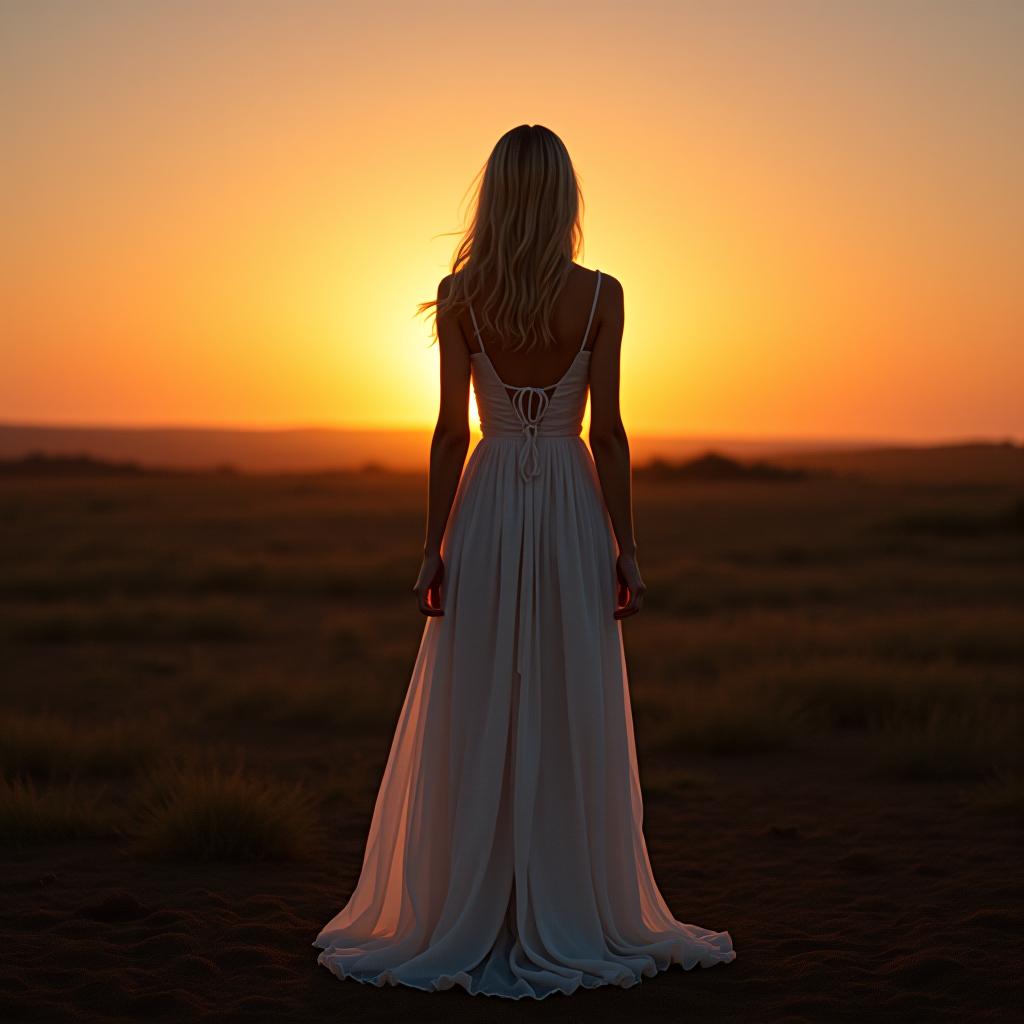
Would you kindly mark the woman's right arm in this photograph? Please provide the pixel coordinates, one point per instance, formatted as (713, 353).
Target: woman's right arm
(448, 449)
(610, 445)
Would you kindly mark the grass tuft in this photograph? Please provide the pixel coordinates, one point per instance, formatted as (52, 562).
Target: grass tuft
(208, 812)
(29, 814)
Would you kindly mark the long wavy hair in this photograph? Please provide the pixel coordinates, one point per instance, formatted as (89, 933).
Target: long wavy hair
(525, 232)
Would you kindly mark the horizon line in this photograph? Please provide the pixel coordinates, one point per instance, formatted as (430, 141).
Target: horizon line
(766, 438)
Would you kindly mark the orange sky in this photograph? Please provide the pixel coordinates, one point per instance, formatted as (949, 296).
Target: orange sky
(225, 213)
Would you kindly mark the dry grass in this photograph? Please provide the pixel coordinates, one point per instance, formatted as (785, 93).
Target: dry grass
(47, 745)
(675, 650)
(854, 693)
(802, 646)
(118, 621)
(208, 812)
(949, 744)
(345, 707)
(277, 609)
(724, 721)
(29, 814)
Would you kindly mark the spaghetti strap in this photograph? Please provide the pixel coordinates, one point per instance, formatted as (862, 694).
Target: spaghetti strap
(476, 328)
(593, 306)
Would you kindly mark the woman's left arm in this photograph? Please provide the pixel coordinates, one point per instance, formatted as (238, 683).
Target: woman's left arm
(448, 449)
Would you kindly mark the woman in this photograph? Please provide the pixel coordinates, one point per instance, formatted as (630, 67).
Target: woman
(506, 852)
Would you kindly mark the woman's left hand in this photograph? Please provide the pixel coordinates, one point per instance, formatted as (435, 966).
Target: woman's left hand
(427, 587)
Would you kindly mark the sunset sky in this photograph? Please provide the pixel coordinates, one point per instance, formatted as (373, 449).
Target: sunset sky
(225, 213)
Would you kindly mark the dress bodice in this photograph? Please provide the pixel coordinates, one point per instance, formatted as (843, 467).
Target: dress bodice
(532, 412)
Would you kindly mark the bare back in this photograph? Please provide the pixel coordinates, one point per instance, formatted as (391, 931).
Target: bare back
(542, 367)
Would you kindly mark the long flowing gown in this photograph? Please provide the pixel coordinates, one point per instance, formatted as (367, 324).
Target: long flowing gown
(506, 852)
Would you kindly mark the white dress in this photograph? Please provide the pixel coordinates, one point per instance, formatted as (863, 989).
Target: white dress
(506, 852)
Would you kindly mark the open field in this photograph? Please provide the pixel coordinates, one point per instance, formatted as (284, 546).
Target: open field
(200, 676)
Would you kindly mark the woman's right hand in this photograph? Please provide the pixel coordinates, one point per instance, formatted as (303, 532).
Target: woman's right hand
(427, 587)
(630, 587)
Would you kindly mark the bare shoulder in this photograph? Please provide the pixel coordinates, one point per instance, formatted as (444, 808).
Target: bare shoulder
(611, 301)
(610, 294)
(444, 316)
(611, 285)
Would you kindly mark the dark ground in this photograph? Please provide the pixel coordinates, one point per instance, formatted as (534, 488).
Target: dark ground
(826, 684)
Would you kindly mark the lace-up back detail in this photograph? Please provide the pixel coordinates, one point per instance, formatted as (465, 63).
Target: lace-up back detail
(529, 412)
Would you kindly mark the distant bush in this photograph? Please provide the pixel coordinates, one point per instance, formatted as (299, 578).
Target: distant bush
(713, 465)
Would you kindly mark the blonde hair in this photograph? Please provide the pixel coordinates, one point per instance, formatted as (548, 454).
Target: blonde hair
(516, 255)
